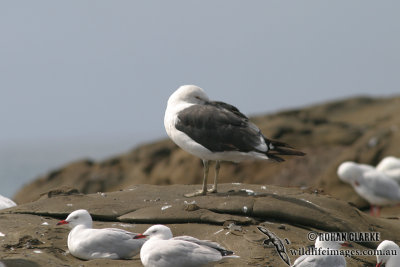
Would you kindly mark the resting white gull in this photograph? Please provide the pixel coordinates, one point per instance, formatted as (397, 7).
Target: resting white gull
(391, 167)
(372, 185)
(388, 254)
(388, 163)
(87, 243)
(216, 131)
(323, 260)
(163, 250)
(6, 203)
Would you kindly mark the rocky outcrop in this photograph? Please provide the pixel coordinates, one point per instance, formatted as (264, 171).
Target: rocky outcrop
(230, 217)
(360, 129)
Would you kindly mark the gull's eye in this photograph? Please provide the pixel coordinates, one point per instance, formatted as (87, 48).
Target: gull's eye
(75, 217)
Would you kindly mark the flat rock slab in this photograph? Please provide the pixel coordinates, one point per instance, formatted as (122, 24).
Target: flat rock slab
(230, 218)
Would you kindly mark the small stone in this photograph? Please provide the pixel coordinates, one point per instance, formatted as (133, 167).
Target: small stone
(191, 207)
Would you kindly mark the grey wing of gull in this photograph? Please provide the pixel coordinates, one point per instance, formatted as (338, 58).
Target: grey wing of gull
(302, 260)
(177, 252)
(366, 167)
(118, 241)
(318, 261)
(125, 234)
(393, 174)
(219, 129)
(213, 245)
(381, 185)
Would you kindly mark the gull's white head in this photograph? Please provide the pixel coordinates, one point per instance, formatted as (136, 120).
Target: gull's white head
(189, 93)
(384, 251)
(350, 172)
(78, 217)
(324, 244)
(158, 231)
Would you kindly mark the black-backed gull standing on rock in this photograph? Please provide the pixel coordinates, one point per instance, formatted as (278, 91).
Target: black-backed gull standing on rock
(216, 131)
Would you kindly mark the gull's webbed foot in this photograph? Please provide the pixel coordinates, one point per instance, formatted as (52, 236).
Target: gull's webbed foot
(213, 190)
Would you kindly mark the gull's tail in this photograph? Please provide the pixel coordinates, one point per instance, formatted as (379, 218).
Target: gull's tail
(277, 149)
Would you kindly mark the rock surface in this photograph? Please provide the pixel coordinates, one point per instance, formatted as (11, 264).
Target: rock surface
(231, 217)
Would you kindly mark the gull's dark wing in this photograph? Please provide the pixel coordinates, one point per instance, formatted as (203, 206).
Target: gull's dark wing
(229, 107)
(219, 127)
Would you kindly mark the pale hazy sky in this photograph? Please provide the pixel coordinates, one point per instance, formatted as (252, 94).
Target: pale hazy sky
(102, 70)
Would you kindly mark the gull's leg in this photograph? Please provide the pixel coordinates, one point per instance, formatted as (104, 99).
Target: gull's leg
(214, 189)
(378, 211)
(375, 210)
(206, 164)
(371, 210)
(204, 190)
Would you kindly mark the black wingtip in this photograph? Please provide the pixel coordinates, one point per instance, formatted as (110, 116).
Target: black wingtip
(278, 143)
(274, 157)
(277, 148)
(226, 253)
(291, 152)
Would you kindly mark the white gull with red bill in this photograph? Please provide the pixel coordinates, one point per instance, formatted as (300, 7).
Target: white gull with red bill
(324, 259)
(87, 243)
(388, 254)
(163, 250)
(372, 185)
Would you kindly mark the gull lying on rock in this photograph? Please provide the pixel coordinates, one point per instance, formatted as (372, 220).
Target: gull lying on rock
(391, 167)
(87, 243)
(163, 250)
(323, 260)
(389, 255)
(6, 203)
(372, 185)
(388, 163)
